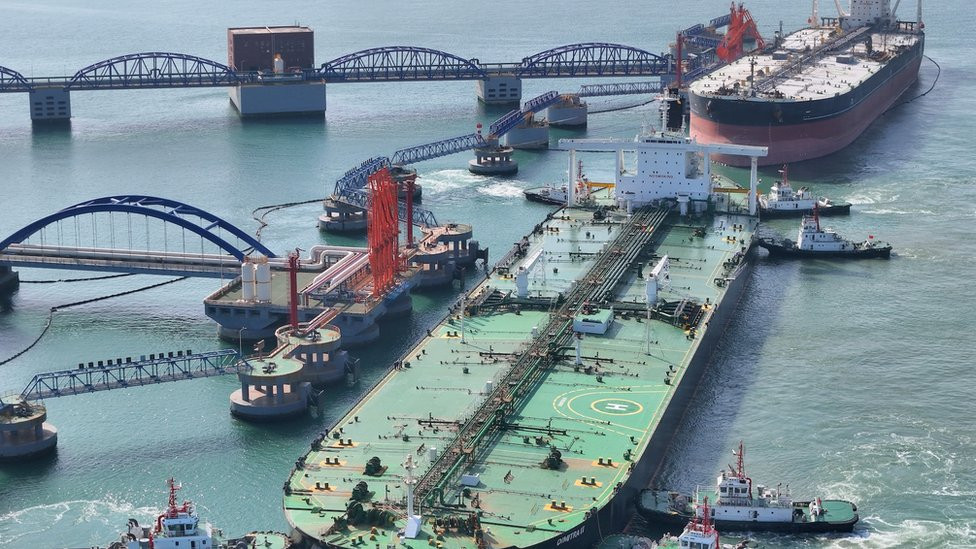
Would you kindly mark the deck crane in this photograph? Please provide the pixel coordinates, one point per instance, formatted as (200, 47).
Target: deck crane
(741, 25)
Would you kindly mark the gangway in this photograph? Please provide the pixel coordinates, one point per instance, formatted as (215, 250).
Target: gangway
(620, 88)
(350, 187)
(444, 147)
(515, 117)
(119, 374)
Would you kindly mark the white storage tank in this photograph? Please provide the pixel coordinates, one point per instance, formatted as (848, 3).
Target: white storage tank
(247, 280)
(263, 282)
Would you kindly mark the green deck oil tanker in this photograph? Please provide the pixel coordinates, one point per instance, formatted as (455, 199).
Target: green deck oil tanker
(535, 412)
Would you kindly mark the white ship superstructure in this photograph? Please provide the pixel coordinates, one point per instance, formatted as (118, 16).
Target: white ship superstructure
(658, 166)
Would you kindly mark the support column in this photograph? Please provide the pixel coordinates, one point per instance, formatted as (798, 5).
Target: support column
(9, 279)
(571, 184)
(245, 391)
(500, 90)
(50, 105)
(753, 183)
(579, 349)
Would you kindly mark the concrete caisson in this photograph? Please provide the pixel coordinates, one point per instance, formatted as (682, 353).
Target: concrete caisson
(500, 90)
(50, 105)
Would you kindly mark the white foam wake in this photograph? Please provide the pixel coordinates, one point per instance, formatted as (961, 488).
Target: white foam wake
(41, 521)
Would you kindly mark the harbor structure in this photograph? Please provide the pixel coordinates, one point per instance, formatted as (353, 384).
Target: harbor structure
(270, 70)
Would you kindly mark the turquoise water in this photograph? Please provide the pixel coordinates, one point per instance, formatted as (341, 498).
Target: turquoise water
(844, 379)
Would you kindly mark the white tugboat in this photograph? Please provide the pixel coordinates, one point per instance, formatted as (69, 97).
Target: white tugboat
(738, 506)
(783, 201)
(814, 241)
(557, 194)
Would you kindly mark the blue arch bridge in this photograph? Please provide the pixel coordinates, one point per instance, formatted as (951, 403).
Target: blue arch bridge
(132, 234)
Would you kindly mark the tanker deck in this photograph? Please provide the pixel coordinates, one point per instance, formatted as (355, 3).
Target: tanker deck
(516, 437)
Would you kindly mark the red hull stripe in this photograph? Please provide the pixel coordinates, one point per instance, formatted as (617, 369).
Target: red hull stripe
(810, 140)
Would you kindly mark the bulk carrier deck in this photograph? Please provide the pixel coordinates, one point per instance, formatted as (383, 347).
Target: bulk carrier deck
(518, 437)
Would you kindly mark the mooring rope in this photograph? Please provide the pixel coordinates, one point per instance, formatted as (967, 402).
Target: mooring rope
(50, 314)
(923, 94)
(265, 210)
(53, 281)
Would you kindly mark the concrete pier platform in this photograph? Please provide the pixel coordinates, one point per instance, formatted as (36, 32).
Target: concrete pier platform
(264, 404)
(340, 217)
(23, 430)
(570, 112)
(493, 160)
(530, 134)
(280, 95)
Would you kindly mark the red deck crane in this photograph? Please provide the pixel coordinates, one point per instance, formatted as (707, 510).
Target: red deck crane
(383, 231)
(741, 25)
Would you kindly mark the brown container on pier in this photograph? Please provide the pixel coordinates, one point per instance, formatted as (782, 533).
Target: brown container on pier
(254, 48)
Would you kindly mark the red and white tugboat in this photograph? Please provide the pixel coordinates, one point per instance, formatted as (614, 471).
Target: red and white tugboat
(814, 241)
(783, 201)
(177, 528)
(740, 507)
(699, 533)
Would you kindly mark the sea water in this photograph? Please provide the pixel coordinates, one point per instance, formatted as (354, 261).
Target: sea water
(844, 379)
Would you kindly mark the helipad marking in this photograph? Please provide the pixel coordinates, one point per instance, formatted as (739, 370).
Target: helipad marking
(616, 407)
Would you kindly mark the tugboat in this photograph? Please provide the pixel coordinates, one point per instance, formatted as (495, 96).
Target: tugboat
(552, 194)
(813, 241)
(699, 533)
(783, 201)
(177, 528)
(737, 508)
(549, 194)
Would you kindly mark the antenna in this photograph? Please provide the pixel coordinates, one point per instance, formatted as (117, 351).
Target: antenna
(413, 521)
(173, 487)
(409, 465)
(741, 469)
